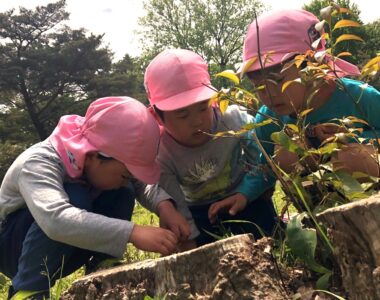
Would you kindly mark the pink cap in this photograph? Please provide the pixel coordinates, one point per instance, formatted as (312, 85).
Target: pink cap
(119, 127)
(177, 78)
(283, 33)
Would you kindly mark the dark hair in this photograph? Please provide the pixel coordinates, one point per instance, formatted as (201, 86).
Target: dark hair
(102, 157)
(251, 75)
(159, 112)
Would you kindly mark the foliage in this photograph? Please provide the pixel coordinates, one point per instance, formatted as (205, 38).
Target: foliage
(45, 65)
(316, 182)
(350, 12)
(213, 29)
(125, 77)
(372, 48)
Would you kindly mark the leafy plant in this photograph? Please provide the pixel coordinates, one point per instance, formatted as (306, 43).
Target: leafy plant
(318, 181)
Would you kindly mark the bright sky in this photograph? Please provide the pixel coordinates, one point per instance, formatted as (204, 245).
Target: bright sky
(117, 19)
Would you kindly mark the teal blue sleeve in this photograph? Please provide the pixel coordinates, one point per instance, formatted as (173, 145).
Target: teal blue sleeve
(370, 103)
(258, 178)
(264, 132)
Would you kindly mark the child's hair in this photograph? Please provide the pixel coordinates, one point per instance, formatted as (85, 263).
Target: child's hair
(283, 34)
(115, 127)
(177, 78)
(159, 113)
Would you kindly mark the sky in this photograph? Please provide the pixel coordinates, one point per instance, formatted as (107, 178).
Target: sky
(117, 19)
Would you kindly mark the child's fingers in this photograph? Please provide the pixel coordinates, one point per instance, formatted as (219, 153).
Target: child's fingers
(184, 231)
(168, 244)
(216, 207)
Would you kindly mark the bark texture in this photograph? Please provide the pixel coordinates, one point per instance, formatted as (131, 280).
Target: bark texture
(234, 268)
(355, 232)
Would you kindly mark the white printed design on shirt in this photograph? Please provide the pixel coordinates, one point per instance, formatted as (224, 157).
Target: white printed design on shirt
(202, 171)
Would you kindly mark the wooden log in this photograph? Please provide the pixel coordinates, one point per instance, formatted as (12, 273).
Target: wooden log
(233, 268)
(355, 232)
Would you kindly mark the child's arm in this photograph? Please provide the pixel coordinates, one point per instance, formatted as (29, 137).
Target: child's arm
(258, 178)
(154, 239)
(40, 182)
(155, 198)
(168, 181)
(171, 219)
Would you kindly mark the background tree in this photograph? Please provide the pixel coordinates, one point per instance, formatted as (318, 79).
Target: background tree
(45, 65)
(353, 47)
(126, 77)
(371, 48)
(213, 29)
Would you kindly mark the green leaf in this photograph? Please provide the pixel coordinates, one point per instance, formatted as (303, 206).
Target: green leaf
(251, 126)
(346, 23)
(293, 127)
(373, 61)
(284, 140)
(323, 281)
(350, 186)
(229, 74)
(345, 53)
(348, 37)
(223, 105)
(247, 65)
(328, 148)
(303, 242)
(3, 281)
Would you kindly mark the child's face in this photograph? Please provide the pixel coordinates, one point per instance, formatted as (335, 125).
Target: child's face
(105, 174)
(185, 125)
(288, 102)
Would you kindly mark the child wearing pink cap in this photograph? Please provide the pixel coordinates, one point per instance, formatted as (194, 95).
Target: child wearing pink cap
(71, 197)
(280, 35)
(209, 180)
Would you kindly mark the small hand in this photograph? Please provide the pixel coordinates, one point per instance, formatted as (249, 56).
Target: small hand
(233, 204)
(327, 130)
(171, 219)
(187, 245)
(153, 239)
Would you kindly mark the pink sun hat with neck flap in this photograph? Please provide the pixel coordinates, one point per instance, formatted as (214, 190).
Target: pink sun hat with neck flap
(283, 34)
(117, 127)
(177, 78)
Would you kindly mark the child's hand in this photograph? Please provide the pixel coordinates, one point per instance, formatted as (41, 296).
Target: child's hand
(153, 239)
(233, 204)
(187, 245)
(327, 130)
(171, 219)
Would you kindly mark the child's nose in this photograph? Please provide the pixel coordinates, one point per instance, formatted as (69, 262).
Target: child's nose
(196, 121)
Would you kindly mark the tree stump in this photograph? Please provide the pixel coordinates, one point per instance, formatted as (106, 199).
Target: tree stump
(355, 232)
(233, 268)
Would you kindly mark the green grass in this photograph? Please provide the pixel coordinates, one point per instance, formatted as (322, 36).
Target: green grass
(132, 254)
(140, 216)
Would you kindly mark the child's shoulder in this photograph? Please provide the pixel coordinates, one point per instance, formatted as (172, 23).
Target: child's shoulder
(358, 86)
(42, 151)
(356, 89)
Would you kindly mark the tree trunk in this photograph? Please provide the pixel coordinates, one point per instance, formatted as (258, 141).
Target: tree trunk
(234, 268)
(355, 232)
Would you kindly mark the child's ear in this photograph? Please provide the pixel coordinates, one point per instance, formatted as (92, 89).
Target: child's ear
(90, 158)
(156, 116)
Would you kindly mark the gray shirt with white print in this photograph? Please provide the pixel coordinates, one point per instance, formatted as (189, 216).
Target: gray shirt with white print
(35, 180)
(215, 170)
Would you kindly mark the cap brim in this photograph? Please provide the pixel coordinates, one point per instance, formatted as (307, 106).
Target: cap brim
(338, 66)
(187, 98)
(341, 68)
(148, 174)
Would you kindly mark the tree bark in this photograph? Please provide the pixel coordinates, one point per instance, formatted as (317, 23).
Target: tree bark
(234, 268)
(355, 232)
